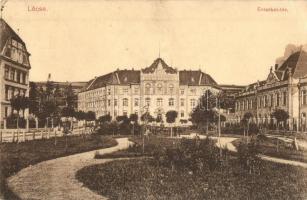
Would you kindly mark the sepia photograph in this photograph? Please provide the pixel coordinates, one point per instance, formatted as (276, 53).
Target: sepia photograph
(153, 100)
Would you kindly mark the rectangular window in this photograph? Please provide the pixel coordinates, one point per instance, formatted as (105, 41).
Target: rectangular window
(304, 97)
(272, 100)
(136, 102)
(182, 114)
(182, 91)
(125, 102)
(192, 103)
(6, 93)
(115, 102)
(125, 90)
(125, 113)
(6, 72)
(109, 91)
(109, 102)
(171, 102)
(284, 98)
(147, 101)
(6, 112)
(159, 102)
(12, 74)
(181, 102)
(277, 99)
(18, 76)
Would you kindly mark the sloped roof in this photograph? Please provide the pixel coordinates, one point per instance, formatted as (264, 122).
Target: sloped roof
(6, 32)
(128, 76)
(195, 77)
(297, 63)
(116, 77)
(155, 65)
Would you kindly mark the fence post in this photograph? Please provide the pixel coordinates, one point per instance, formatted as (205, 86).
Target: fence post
(17, 135)
(33, 135)
(0, 136)
(13, 138)
(42, 134)
(24, 135)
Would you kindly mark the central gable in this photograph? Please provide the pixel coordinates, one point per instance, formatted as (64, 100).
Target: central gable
(272, 78)
(160, 67)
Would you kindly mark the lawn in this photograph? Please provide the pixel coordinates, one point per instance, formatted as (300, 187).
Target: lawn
(192, 169)
(14, 157)
(143, 179)
(268, 146)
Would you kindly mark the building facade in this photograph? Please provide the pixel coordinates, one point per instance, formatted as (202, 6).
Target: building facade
(157, 89)
(285, 88)
(14, 69)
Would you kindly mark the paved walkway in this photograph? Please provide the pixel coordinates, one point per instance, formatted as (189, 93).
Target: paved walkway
(55, 179)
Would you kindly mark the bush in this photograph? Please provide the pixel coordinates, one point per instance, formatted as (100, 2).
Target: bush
(248, 157)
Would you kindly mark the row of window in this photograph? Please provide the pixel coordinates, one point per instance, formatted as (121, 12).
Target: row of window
(11, 91)
(15, 75)
(16, 52)
(270, 100)
(125, 102)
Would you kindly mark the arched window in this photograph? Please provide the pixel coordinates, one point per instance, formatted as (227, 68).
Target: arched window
(147, 88)
(171, 101)
(159, 88)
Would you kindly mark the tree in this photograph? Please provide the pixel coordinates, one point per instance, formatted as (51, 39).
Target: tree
(246, 121)
(90, 116)
(280, 115)
(134, 119)
(69, 96)
(105, 118)
(33, 99)
(19, 103)
(49, 89)
(171, 118)
(146, 117)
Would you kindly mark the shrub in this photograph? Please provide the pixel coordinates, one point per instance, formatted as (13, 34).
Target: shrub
(248, 157)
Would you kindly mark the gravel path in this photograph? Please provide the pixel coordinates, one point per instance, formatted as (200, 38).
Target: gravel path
(55, 179)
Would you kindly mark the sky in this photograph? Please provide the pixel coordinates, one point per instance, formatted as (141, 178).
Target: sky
(235, 42)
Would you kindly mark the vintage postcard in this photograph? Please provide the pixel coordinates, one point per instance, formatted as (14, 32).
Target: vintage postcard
(158, 99)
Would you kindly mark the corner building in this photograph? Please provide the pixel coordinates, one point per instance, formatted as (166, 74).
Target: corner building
(159, 88)
(284, 88)
(14, 69)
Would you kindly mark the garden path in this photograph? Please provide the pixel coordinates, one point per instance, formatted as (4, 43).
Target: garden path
(226, 142)
(55, 179)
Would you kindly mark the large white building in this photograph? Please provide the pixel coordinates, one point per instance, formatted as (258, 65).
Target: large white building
(159, 88)
(14, 69)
